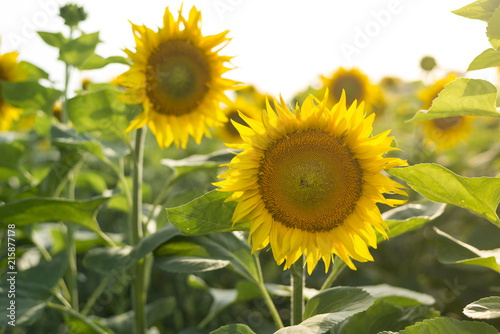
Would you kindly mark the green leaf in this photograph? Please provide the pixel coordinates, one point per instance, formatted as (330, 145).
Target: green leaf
(449, 326)
(98, 110)
(398, 296)
(479, 10)
(35, 73)
(38, 210)
(33, 289)
(233, 329)
(56, 176)
(474, 97)
(330, 307)
(453, 251)
(384, 315)
(77, 51)
(213, 159)
(29, 95)
(484, 308)
(223, 298)
(96, 62)
(478, 194)
(410, 217)
(155, 312)
(206, 214)
(493, 29)
(64, 136)
(53, 39)
(488, 58)
(189, 264)
(227, 246)
(105, 260)
(12, 150)
(338, 299)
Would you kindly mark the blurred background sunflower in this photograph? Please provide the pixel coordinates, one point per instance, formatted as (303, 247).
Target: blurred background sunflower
(11, 71)
(177, 78)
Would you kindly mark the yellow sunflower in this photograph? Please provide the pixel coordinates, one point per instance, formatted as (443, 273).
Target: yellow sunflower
(357, 87)
(11, 71)
(228, 132)
(308, 182)
(443, 133)
(177, 78)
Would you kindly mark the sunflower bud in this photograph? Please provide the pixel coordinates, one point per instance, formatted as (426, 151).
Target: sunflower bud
(72, 14)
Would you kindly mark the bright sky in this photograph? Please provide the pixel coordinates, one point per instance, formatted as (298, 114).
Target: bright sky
(281, 46)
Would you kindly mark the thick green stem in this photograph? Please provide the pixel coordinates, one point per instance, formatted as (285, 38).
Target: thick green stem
(338, 265)
(267, 298)
(138, 282)
(297, 282)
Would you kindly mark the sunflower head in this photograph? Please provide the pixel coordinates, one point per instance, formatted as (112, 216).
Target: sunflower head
(443, 133)
(308, 182)
(228, 132)
(355, 84)
(11, 71)
(177, 78)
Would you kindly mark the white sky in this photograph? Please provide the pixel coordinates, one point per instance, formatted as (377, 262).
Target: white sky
(280, 46)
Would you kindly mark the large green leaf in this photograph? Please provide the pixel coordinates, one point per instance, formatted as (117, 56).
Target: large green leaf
(206, 214)
(462, 96)
(479, 10)
(96, 62)
(233, 329)
(98, 110)
(410, 217)
(493, 29)
(449, 326)
(330, 307)
(38, 210)
(488, 58)
(338, 299)
(398, 296)
(105, 260)
(29, 95)
(479, 194)
(453, 251)
(384, 315)
(484, 308)
(32, 289)
(77, 51)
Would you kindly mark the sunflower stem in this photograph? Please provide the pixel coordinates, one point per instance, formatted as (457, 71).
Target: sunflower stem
(265, 294)
(136, 229)
(297, 282)
(338, 265)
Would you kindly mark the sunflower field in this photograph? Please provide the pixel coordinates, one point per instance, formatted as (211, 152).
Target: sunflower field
(174, 197)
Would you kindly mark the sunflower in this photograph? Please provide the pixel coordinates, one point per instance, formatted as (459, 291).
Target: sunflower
(228, 132)
(443, 133)
(177, 78)
(357, 87)
(308, 182)
(11, 71)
